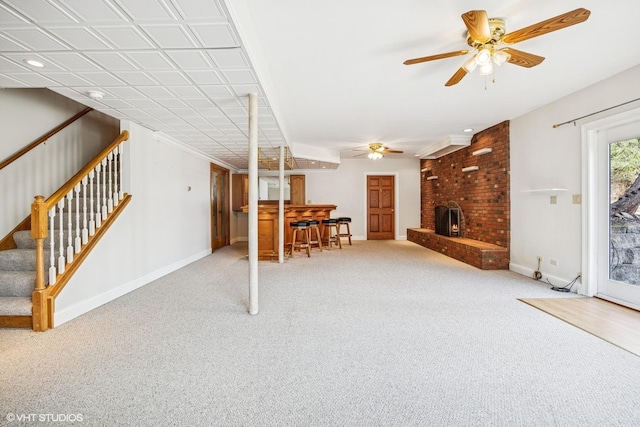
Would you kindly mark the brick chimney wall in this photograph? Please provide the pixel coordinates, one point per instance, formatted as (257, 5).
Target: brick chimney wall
(483, 195)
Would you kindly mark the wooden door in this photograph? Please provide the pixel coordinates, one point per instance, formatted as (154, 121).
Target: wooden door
(219, 207)
(380, 207)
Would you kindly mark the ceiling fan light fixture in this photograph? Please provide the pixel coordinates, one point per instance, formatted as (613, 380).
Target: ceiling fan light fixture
(470, 64)
(500, 57)
(375, 155)
(483, 57)
(486, 69)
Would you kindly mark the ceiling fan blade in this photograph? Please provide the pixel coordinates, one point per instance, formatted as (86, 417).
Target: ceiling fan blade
(385, 151)
(477, 23)
(553, 24)
(455, 79)
(523, 59)
(434, 57)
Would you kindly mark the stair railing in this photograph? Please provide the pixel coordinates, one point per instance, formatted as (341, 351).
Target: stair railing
(98, 184)
(44, 138)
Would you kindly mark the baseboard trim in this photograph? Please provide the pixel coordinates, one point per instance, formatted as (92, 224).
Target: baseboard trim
(528, 271)
(76, 310)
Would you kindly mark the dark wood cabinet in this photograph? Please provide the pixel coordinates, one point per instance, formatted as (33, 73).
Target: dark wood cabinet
(239, 191)
(297, 188)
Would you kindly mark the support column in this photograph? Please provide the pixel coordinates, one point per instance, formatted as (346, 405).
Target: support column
(253, 203)
(281, 208)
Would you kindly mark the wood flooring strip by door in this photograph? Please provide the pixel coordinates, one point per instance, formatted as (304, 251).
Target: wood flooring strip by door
(612, 322)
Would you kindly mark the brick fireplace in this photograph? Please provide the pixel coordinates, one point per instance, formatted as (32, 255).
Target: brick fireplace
(481, 194)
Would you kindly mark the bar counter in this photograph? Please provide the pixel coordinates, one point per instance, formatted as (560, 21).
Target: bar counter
(268, 224)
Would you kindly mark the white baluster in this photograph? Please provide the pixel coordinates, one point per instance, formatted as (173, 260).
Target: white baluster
(120, 191)
(61, 261)
(52, 247)
(85, 231)
(77, 241)
(92, 222)
(98, 199)
(69, 223)
(104, 188)
(115, 177)
(110, 181)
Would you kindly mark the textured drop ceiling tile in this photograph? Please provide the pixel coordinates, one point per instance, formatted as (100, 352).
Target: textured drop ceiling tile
(235, 111)
(215, 35)
(6, 81)
(143, 103)
(239, 76)
(191, 59)
(198, 102)
(156, 92)
(35, 39)
(9, 17)
(8, 45)
(126, 93)
(216, 91)
(209, 77)
(15, 66)
(151, 60)
(136, 78)
(169, 78)
(199, 9)
(71, 61)
(94, 11)
(244, 90)
(112, 61)
(186, 91)
(21, 58)
(146, 10)
(33, 79)
(161, 113)
(229, 58)
(102, 78)
(170, 36)
(40, 11)
(68, 79)
(125, 37)
(185, 112)
(79, 38)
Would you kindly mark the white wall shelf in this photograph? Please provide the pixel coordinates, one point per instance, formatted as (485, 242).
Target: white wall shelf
(546, 191)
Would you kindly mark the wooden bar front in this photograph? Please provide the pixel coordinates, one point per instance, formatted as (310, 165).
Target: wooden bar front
(268, 224)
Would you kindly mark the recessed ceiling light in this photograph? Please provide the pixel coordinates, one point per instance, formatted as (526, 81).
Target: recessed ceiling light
(34, 63)
(468, 130)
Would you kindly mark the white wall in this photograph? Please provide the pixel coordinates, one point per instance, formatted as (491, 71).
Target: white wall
(27, 114)
(545, 157)
(164, 227)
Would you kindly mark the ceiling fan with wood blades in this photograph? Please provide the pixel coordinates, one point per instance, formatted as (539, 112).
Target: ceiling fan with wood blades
(490, 43)
(377, 151)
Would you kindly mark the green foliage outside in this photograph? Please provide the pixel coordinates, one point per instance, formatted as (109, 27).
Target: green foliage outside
(625, 165)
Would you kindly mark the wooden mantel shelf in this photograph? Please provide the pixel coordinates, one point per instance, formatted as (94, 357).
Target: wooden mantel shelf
(268, 224)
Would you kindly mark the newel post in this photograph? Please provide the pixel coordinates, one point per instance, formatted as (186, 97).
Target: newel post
(40, 315)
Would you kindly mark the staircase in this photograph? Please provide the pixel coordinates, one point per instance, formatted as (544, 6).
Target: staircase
(63, 230)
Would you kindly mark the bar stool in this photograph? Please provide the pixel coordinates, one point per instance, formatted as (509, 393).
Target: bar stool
(301, 226)
(313, 228)
(330, 232)
(344, 221)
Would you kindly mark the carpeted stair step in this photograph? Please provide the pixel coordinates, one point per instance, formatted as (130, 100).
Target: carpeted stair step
(15, 306)
(19, 259)
(24, 240)
(17, 283)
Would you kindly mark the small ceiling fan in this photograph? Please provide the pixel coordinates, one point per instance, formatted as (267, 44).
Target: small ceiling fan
(377, 151)
(489, 42)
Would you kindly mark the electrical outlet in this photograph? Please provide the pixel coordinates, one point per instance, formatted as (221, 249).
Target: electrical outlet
(539, 258)
(553, 262)
(579, 274)
(577, 199)
(553, 200)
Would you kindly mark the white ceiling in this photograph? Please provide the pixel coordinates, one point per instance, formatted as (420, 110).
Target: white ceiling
(329, 75)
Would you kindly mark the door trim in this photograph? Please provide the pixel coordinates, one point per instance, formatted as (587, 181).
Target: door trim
(396, 201)
(591, 212)
(226, 207)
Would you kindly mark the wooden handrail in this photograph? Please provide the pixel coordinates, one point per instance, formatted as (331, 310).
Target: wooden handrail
(43, 138)
(62, 191)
